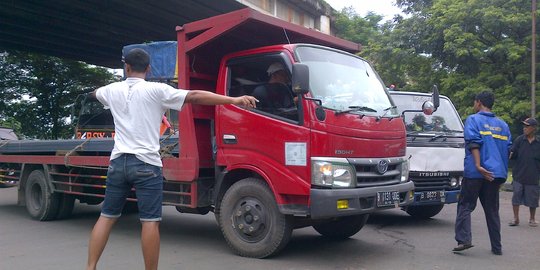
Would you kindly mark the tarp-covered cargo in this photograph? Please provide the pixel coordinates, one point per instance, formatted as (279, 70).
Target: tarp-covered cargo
(162, 59)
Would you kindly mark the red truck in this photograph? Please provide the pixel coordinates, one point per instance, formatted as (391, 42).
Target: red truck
(328, 161)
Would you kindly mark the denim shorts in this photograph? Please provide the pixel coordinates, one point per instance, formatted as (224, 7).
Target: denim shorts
(128, 171)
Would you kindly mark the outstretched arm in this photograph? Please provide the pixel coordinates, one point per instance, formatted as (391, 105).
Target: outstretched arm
(92, 95)
(208, 98)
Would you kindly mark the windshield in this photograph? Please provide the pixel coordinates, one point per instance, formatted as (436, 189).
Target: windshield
(445, 119)
(344, 82)
(93, 114)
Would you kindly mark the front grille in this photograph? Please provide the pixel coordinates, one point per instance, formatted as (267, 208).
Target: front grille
(430, 183)
(367, 174)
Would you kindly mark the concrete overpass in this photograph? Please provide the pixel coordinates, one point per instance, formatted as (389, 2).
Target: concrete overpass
(94, 31)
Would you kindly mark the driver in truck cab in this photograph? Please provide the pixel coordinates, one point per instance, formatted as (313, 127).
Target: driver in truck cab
(277, 93)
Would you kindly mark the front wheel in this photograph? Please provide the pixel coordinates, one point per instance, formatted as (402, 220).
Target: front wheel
(343, 227)
(424, 211)
(250, 220)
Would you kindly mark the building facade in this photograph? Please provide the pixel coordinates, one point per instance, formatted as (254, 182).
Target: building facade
(313, 14)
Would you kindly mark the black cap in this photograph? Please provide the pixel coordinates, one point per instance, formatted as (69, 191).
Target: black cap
(530, 122)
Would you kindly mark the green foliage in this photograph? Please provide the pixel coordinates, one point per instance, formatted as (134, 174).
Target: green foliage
(349, 25)
(485, 44)
(462, 46)
(38, 92)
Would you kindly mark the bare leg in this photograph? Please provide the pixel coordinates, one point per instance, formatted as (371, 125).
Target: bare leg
(533, 213)
(516, 213)
(150, 244)
(98, 240)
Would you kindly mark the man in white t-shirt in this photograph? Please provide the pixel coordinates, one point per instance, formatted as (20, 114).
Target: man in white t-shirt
(137, 107)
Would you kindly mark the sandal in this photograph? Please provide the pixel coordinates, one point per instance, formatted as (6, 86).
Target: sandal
(514, 223)
(533, 223)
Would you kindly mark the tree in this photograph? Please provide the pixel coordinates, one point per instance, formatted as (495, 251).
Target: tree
(390, 47)
(482, 44)
(39, 91)
(462, 46)
(351, 26)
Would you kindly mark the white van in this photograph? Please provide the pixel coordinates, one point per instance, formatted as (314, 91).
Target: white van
(435, 146)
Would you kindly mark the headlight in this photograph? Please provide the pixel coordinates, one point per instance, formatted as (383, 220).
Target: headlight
(405, 171)
(456, 181)
(332, 172)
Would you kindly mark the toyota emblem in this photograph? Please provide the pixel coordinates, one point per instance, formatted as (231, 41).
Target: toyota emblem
(382, 166)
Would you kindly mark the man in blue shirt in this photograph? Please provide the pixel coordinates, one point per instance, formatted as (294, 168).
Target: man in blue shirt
(488, 141)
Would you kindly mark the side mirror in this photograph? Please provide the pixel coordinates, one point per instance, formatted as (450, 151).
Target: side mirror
(428, 108)
(300, 79)
(435, 96)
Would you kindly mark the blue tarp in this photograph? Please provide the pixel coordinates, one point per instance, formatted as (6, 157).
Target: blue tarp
(162, 59)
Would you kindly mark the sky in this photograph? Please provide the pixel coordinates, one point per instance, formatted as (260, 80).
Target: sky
(383, 7)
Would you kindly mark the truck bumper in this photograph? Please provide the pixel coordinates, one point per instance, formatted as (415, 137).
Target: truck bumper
(451, 196)
(360, 200)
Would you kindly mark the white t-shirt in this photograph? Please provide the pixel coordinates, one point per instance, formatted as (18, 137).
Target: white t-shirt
(137, 107)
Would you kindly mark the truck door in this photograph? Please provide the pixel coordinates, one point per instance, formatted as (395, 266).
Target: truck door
(272, 136)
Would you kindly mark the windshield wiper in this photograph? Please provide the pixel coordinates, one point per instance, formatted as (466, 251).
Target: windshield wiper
(438, 136)
(356, 109)
(388, 109)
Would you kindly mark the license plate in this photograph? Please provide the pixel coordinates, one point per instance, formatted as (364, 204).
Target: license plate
(387, 198)
(432, 196)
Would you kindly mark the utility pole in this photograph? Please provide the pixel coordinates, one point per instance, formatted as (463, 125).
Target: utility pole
(533, 61)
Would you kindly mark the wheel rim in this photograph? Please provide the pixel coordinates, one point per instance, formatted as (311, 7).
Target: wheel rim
(36, 196)
(250, 220)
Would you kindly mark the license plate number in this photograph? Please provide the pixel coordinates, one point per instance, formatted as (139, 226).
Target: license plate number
(387, 198)
(432, 196)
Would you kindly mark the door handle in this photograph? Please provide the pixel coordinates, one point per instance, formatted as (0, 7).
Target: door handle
(229, 139)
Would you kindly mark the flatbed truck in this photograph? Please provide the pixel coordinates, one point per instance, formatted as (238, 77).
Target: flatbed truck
(328, 162)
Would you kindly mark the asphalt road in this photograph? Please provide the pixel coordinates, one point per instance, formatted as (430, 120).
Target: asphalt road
(390, 240)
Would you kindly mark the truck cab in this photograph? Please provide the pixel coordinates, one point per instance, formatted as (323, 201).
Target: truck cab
(340, 142)
(435, 146)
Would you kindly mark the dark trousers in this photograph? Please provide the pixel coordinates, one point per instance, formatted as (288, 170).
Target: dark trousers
(488, 192)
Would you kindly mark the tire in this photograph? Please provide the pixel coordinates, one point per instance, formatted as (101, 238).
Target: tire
(41, 202)
(424, 211)
(250, 220)
(343, 227)
(65, 206)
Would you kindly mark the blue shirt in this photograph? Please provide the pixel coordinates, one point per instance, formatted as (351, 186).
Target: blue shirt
(492, 137)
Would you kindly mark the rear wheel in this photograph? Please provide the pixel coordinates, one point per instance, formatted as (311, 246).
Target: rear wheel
(250, 220)
(41, 202)
(343, 227)
(424, 211)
